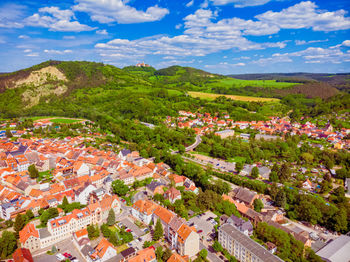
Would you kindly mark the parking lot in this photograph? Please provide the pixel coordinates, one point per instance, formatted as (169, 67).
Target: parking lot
(216, 163)
(65, 246)
(135, 229)
(202, 223)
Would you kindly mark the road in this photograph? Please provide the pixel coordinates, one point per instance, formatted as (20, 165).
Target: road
(211, 253)
(195, 144)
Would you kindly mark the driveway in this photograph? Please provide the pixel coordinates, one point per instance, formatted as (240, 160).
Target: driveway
(63, 246)
(137, 231)
(201, 223)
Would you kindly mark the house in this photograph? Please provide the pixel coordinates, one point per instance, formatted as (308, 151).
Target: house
(103, 251)
(175, 257)
(271, 247)
(82, 194)
(245, 227)
(124, 153)
(307, 184)
(347, 186)
(225, 133)
(155, 187)
(144, 255)
(172, 194)
(81, 169)
(29, 237)
(336, 250)
(22, 255)
(143, 210)
(245, 196)
(242, 247)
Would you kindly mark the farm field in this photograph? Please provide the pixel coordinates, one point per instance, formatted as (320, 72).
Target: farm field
(229, 82)
(210, 96)
(64, 120)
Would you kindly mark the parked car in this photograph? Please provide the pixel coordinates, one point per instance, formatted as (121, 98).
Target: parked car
(60, 257)
(200, 231)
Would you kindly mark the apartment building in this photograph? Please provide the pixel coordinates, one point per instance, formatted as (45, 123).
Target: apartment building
(143, 210)
(242, 247)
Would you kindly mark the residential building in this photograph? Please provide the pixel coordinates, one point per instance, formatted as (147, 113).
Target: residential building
(103, 251)
(143, 210)
(175, 257)
(242, 247)
(245, 196)
(22, 255)
(144, 255)
(172, 194)
(336, 250)
(225, 133)
(29, 237)
(245, 227)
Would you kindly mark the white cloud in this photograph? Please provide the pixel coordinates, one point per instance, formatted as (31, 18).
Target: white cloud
(346, 43)
(56, 20)
(205, 4)
(306, 15)
(311, 55)
(190, 3)
(23, 37)
(27, 50)
(240, 3)
(107, 11)
(303, 42)
(32, 54)
(69, 37)
(178, 26)
(11, 15)
(102, 32)
(57, 52)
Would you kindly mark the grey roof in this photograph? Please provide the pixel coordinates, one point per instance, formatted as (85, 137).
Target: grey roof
(239, 223)
(249, 244)
(337, 250)
(44, 233)
(153, 185)
(128, 252)
(86, 250)
(244, 195)
(125, 152)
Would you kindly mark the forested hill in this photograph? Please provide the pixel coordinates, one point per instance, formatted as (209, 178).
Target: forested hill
(98, 91)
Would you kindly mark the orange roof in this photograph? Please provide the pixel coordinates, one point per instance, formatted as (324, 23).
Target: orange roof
(145, 206)
(102, 248)
(183, 232)
(81, 233)
(177, 258)
(27, 231)
(144, 255)
(164, 214)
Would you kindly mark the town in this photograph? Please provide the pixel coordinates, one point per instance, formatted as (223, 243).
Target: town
(66, 200)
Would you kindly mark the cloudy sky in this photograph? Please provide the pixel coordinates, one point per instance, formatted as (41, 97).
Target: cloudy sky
(221, 36)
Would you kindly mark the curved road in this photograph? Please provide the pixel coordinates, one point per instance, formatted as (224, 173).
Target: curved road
(195, 144)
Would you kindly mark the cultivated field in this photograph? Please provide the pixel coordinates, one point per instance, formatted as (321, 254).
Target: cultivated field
(233, 97)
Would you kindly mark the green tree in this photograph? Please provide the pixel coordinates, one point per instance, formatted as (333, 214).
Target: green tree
(33, 172)
(158, 231)
(258, 205)
(239, 167)
(106, 232)
(217, 246)
(159, 253)
(203, 254)
(65, 202)
(113, 239)
(8, 133)
(273, 176)
(120, 188)
(111, 217)
(167, 254)
(255, 172)
(8, 244)
(19, 224)
(29, 215)
(93, 231)
(281, 198)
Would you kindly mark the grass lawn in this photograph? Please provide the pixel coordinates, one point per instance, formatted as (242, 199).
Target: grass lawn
(64, 120)
(34, 118)
(113, 229)
(44, 175)
(210, 96)
(236, 159)
(121, 248)
(229, 82)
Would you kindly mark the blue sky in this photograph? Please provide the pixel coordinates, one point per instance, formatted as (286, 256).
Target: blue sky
(220, 36)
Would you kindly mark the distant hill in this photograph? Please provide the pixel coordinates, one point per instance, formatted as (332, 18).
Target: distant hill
(89, 89)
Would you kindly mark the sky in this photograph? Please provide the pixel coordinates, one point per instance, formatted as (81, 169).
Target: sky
(219, 36)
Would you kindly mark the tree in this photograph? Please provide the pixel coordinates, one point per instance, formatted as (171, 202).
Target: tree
(217, 246)
(106, 232)
(113, 239)
(239, 167)
(65, 201)
(29, 214)
(111, 217)
(19, 224)
(167, 254)
(159, 253)
(158, 231)
(307, 157)
(255, 172)
(281, 198)
(8, 244)
(203, 254)
(53, 249)
(33, 172)
(120, 188)
(8, 133)
(273, 176)
(258, 205)
(93, 231)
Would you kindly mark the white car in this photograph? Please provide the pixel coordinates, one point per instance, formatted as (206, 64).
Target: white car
(60, 257)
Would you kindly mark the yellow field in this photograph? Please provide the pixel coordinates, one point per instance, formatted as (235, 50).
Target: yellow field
(233, 97)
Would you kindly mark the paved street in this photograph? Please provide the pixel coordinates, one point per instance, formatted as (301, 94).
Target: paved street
(127, 222)
(211, 253)
(201, 223)
(64, 246)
